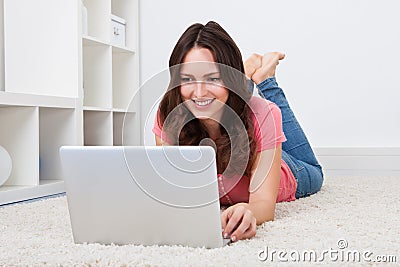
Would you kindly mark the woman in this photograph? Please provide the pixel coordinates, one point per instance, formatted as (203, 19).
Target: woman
(260, 160)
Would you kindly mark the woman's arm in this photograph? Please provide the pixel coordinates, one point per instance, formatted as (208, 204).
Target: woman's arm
(240, 220)
(264, 184)
(158, 141)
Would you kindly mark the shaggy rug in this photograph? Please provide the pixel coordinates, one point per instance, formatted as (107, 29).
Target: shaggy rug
(351, 220)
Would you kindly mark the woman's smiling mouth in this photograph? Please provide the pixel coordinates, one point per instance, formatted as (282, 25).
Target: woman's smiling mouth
(203, 103)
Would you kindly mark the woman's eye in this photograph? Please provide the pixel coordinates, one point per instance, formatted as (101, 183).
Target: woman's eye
(186, 79)
(214, 79)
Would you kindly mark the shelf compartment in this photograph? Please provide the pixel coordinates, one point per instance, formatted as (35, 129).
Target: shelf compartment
(19, 135)
(62, 123)
(98, 16)
(98, 128)
(124, 130)
(123, 79)
(97, 83)
(127, 9)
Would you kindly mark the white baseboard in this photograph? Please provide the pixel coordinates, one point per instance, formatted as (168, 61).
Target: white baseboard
(359, 161)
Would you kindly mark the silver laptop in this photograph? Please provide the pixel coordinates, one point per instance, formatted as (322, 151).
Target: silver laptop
(143, 195)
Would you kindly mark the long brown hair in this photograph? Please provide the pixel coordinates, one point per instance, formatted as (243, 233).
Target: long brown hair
(235, 152)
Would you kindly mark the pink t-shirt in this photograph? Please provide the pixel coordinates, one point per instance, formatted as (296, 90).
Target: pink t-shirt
(267, 120)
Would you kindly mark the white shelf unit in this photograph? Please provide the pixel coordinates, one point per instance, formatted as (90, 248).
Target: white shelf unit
(75, 89)
(110, 74)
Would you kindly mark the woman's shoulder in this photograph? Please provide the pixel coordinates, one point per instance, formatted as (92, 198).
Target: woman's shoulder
(260, 105)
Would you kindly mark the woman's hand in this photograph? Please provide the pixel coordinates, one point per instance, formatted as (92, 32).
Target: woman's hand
(239, 222)
(259, 68)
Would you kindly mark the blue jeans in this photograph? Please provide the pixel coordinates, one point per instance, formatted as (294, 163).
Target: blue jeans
(296, 151)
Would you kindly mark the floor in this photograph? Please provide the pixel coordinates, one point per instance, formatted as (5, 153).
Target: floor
(351, 220)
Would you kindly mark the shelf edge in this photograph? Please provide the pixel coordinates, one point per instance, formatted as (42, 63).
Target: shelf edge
(21, 193)
(21, 99)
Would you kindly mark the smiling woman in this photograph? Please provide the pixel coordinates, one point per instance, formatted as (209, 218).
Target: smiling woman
(208, 103)
(203, 90)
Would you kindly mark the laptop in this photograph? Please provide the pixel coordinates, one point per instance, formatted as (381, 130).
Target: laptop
(144, 195)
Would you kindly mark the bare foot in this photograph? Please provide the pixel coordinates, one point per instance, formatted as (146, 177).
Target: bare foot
(268, 66)
(252, 64)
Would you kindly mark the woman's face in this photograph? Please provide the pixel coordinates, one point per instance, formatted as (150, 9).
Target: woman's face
(202, 88)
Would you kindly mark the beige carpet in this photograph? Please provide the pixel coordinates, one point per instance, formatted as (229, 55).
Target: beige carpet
(362, 213)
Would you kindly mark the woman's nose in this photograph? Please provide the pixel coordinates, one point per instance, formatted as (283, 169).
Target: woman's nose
(201, 89)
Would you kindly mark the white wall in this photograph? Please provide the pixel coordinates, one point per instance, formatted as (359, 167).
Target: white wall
(341, 73)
